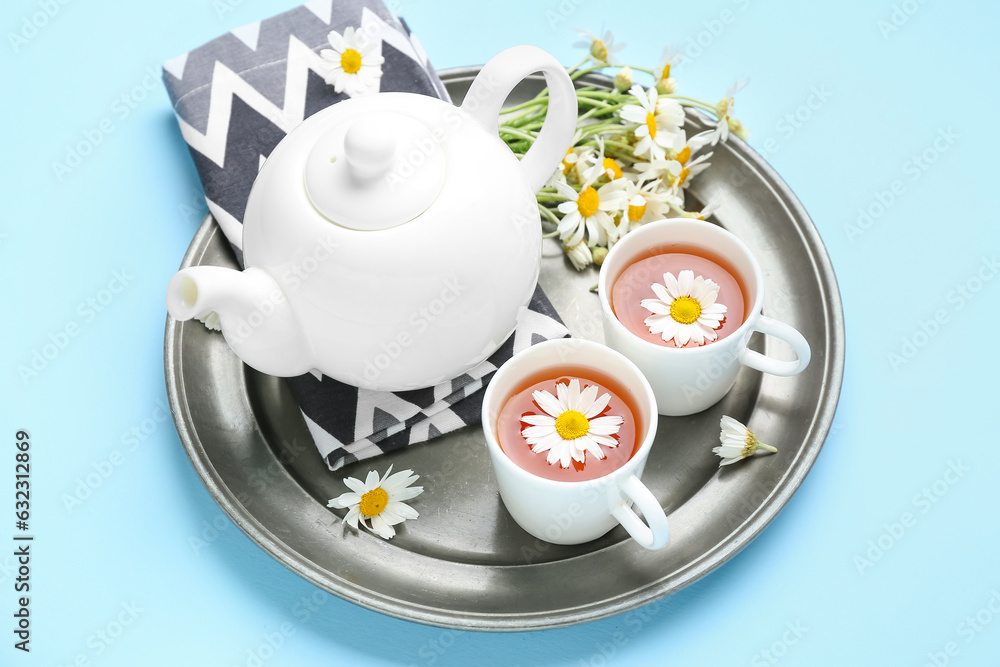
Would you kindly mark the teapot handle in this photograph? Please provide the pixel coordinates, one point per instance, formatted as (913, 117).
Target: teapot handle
(495, 81)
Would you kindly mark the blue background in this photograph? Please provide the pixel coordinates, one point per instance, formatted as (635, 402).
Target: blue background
(892, 92)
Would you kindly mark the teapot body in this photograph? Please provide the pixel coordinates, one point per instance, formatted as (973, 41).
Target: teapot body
(390, 240)
(414, 304)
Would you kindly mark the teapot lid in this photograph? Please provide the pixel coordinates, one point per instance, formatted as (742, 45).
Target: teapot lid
(379, 171)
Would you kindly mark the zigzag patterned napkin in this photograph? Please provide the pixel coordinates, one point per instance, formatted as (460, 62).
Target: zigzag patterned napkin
(235, 98)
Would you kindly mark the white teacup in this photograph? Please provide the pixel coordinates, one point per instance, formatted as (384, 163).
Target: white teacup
(689, 380)
(576, 512)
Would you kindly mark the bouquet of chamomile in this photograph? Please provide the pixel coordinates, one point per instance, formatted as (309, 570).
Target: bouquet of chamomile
(631, 158)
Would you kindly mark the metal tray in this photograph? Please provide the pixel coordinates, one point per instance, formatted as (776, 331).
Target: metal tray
(464, 563)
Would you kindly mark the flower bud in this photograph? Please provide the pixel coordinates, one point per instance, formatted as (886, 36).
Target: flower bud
(737, 128)
(623, 80)
(666, 86)
(598, 254)
(579, 255)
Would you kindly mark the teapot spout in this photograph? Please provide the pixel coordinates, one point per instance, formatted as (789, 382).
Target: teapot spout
(256, 318)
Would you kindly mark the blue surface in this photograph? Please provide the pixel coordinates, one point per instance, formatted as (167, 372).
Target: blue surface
(120, 577)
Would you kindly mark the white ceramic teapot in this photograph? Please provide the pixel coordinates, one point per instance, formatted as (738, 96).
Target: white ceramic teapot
(389, 240)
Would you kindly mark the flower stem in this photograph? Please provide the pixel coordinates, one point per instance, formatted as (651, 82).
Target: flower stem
(692, 102)
(768, 448)
(548, 214)
(514, 132)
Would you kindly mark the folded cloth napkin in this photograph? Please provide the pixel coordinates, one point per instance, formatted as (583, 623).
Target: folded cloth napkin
(235, 98)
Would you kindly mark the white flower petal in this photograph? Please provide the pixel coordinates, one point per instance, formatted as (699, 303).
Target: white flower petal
(337, 41)
(539, 420)
(585, 399)
(381, 528)
(548, 403)
(596, 406)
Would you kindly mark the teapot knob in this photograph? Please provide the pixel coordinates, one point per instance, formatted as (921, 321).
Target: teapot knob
(370, 146)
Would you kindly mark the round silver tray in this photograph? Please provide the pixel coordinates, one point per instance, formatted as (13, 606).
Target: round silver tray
(464, 563)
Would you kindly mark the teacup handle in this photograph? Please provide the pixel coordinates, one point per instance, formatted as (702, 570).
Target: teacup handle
(495, 81)
(766, 364)
(655, 532)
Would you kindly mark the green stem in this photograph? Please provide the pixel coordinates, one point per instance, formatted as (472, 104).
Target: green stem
(604, 128)
(677, 209)
(692, 102)
(514, 132)
(604, 108)
(577, 75)
(574, 67)
(548, 214)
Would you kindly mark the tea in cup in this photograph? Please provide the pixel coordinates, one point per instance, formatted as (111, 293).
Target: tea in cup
(569, 426)
(681, 298)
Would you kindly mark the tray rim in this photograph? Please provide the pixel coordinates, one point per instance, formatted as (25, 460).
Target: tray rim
(712, 558)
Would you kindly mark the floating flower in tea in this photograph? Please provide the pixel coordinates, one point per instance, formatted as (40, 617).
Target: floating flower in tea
(571, 426)
(685, 309)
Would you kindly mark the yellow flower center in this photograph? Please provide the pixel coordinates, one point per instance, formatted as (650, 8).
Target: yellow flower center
(598, 50)
(373, 502)
(684, 155)
(651, 124)
(571, 425)
(723, 107)
(681, 177)
(609, 163)
(751, 445)
(350, 60)
(666, 72)
(636, 212)
(587, 202)
(685, 310)
(567, 165)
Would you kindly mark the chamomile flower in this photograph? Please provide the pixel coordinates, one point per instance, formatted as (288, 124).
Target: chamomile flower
(666, 84)
(738, 128)
(623, 80)
(681, 173)
(355, 66)
(589, 211)
(723, 110)
(660, 122)
(645, 204)
(737, 442)
(685, 309)
(602, 168)
(579, 255)
(571, 427)
(692, 145)
(707, 212)
(602, 49)
(377, 504)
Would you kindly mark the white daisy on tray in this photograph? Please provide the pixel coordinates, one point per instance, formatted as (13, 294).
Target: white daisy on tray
(571, 426)
(660, 122)
(354, 64)
(685, 309)
(737, 442)
(376, 503)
